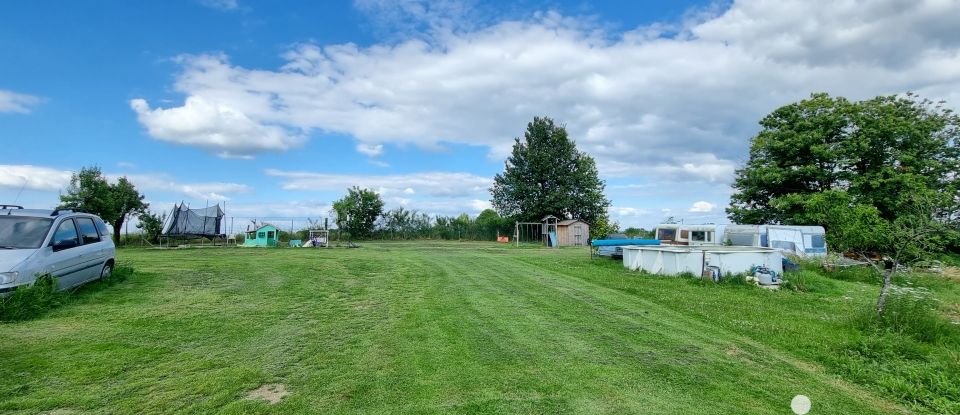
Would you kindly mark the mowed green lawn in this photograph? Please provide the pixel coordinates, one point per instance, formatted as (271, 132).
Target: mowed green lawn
(427, 327)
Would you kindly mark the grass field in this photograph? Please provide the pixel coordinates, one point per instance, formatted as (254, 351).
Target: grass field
(458, 328)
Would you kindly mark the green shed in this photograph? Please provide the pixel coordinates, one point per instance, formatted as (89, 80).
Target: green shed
(265, 235)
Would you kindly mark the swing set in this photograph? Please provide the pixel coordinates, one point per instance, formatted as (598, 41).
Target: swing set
(543, 233)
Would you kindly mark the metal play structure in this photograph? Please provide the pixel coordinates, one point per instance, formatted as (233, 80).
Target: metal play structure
(540, 233)
(318, 238)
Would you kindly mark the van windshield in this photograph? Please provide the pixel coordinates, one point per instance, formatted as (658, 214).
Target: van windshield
(18, 232)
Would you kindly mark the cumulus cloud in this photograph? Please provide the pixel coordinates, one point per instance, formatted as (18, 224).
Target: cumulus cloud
(702, 207)
(669, 101)
(17, 103)
(214, 126)
(33, 177)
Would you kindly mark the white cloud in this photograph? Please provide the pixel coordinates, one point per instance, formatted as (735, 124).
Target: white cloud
(33, 177)
(434, 184)
(50, 179)
(702, 207)
(674, 102)
(196, 192)
(621, 211)
(18, 103)
(126, 165)
(371, 150)
(225, 5)
(213, 126)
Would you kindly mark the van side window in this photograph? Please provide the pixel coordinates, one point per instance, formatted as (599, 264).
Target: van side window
(699, 236)
(66, 231)
(102, 227)
(88, 231)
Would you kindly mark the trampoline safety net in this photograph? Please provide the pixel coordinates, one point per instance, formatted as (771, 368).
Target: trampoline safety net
(198, 223)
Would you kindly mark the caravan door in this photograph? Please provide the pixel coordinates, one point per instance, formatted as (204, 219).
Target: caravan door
(786, 239)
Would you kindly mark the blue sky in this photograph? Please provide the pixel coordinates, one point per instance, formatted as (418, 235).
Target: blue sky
(277, 107)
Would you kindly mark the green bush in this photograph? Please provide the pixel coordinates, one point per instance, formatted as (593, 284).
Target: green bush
(29, 301)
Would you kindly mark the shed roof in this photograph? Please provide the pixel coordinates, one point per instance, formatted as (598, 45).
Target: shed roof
(570, 222)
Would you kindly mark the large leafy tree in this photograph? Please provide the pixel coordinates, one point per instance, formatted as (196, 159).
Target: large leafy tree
(879, 151)
(357, 211)
(114, 202)
(546, 175)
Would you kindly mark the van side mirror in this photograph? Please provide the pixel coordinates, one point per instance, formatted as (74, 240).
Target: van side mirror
(66, 244)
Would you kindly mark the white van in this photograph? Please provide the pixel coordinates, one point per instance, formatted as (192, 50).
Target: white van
(73, 247)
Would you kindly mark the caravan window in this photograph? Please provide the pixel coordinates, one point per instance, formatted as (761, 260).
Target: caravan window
(684, 234)
(740, 239)
(666, 234)
(698, 236)
(816, 241)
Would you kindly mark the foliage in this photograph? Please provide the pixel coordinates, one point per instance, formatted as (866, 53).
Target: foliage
(639, 233)
(546, 175)
(151, 225)
(877, 151)
(357, 212)
(114, 202)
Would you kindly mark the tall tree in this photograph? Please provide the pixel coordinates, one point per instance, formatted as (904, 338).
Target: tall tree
(357, 212)
(546, 175)
(879, 151)
(91, 192)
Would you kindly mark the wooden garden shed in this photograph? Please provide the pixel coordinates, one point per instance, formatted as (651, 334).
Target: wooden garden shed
(573, 232)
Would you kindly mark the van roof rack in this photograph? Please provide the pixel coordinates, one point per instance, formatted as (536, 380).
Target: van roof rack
(66, 210)
(3, 207)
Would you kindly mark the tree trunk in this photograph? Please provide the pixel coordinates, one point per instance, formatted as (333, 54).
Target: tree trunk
(117, 228)
(885, 290)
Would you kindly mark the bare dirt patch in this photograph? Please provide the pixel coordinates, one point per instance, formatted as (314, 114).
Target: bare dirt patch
(272, 392)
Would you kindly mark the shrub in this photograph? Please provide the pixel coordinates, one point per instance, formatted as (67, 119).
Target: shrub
(29, 301)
